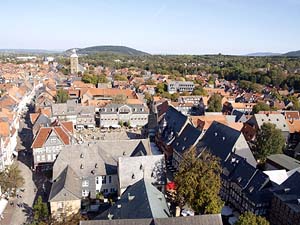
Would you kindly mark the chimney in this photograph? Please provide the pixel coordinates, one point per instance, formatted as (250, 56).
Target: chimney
(177, 211)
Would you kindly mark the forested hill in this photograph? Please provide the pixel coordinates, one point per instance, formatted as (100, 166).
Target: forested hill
(122, 50)
(293, 54)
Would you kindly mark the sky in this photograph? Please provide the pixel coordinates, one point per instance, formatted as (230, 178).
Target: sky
(154, 26)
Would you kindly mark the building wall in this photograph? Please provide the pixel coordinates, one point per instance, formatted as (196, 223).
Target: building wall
(64, 208)
(281, 214)
(74, 65)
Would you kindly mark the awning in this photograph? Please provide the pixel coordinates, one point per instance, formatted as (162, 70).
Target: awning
(3, 204)
(116, 126)
(106, 126)
(133, 126)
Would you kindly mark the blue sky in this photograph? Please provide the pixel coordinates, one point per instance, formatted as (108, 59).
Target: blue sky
(155, 26)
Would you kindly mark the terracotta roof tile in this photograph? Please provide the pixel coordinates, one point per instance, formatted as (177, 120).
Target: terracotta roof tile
(4, 129)
(62, 135)
(41, 137)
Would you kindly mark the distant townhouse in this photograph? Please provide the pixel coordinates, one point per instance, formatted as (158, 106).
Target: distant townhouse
(252, 126)
(90, 169)
(49, 141)
(170, 127)
(180, 86)
(80, 116)
(114, 115)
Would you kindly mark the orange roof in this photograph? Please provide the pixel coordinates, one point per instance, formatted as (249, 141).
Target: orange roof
(46, 111)
(33, 117)
(62, 135)
(80, 84)
(134, 101)
(4, 129)
(240, 105)
(68, 125)
(294, 125)
(204, 122)
(111, 92)
(97, 103)
(41, 137)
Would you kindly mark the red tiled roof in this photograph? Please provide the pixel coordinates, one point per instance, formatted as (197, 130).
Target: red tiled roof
(68, 125)
(41, 137)
(62, 135)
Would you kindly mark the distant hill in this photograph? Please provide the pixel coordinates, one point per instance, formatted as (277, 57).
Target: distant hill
(122, 50)
(29, 51)
(263, 54)
(293, 54)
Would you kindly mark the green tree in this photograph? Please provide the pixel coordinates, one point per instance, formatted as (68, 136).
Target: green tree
(269, 141)
(148, 97)
(11, 179)
(61, 96)
(119, 99)
(260, 106)
(161, 88)
(249, 218)
(198, 182)
(215, 103)
(40, 210)
(120, 77)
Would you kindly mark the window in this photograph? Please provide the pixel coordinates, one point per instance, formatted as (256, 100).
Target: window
(60, 205)
(38, 158)
(105, 190)
(103, 179)
(43, 157)
(49, 158)
(112, 190)
(85, 183)
(109, 179)
(85, 193)
(53, 140)
(97, 180)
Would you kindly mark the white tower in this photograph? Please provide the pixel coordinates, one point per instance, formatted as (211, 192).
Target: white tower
(74, 62)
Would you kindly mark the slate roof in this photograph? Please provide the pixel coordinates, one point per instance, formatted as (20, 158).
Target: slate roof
(145, 201)
(67, 186)
(239, 116)
(151, 167)
(213, 219)
(289, 192)
(189, 137)
(277, 119)
(113, 108)
(283, 161)
(221, 141)
(83, 158)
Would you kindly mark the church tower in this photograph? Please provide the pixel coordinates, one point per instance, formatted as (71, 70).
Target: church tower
(74, 62)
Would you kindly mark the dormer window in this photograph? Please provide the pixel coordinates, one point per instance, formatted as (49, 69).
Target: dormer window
(239, 179)
(141, 167)
(81, 166)
(81, 155)
(133, 176)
